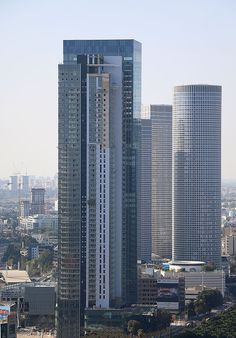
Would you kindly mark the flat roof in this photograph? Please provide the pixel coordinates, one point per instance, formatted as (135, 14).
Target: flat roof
(187, 263)
(15, 276)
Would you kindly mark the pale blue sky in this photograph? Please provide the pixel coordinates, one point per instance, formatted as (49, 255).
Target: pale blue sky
(184, 41)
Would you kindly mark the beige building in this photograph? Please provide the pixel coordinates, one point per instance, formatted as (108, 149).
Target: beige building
(228, 245)
(200, 281)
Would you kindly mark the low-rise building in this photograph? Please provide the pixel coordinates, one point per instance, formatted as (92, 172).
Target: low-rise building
(35, 302)
(167, 293)
(40, 222)
(200, 281)
(14, 276)
(8, 320)
(228, 245)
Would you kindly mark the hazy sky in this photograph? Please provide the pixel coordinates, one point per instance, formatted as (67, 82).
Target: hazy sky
(184, 41)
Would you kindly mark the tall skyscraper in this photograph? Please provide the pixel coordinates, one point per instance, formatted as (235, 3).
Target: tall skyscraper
(97, 158)
(25, 186)
(14, 185)
(37, 201)
(144, 189)
(24, 208)
(161, 121)
(104, 182)
(197, 173)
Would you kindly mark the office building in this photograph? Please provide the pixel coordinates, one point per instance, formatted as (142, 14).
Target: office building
(84, 84)
(14, 185)
(37, 201)
(196, 191)
(144, 189)
(104, 182)
(197, 281)
(161, 120)
(167, 292)
(35, 302)
(25, 186)
(24, 208)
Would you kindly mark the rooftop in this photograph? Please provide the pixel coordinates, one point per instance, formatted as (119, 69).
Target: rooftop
(187, 263)
(14, 276)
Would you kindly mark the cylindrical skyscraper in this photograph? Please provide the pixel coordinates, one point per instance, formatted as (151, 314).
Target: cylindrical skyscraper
(196, 187)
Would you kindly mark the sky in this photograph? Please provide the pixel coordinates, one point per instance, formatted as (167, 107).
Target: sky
(183, 41)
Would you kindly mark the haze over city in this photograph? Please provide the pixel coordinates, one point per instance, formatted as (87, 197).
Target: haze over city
(184, 41)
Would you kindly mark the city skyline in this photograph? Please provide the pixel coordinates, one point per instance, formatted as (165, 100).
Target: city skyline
(190, 40)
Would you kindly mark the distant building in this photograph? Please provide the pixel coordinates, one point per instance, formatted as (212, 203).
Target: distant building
(228, 245)
(37, 201)
(25, 186)
(33, 251)
(24, 208)
(40, 222)
(14, 185)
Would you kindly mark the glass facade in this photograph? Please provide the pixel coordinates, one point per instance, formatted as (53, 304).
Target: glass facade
(72, 174)
(161, 119)
(196, 203)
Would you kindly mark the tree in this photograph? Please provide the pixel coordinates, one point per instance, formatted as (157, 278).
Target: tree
(162, 319)
(210, 266)
(201, 307)
(233, 264)
(140, 333)
(133, 326)
(12, 254)
(188, 334)
(45, 260)
(209, 299)
(191, 309)
(34, 269)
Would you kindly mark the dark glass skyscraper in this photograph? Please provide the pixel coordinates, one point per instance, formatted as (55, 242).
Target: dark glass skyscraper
(144, 188)
(72, 178)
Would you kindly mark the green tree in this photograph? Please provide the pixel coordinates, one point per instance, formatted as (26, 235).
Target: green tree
(209, 299)
(188, 334)
(140, 333)
(191, 309)
(162, 320)
(201, 306)
(133, 326)
(34, 268)
(210, 266)
(45, 260)
(12, 254)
